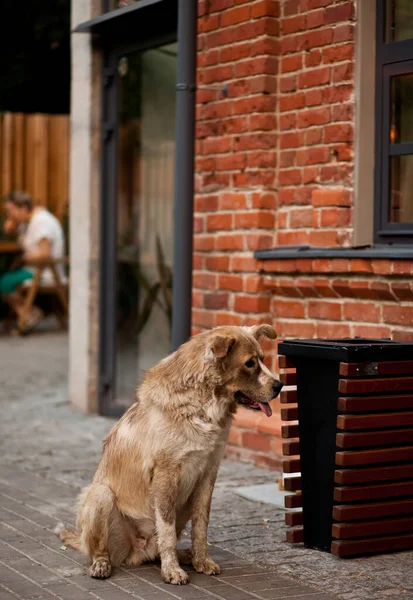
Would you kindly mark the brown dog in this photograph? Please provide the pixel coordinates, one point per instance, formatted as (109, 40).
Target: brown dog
(161, 459)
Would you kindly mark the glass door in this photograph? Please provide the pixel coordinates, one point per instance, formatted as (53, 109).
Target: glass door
(140, 311)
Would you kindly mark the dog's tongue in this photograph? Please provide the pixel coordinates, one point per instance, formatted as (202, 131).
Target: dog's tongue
(266, 408)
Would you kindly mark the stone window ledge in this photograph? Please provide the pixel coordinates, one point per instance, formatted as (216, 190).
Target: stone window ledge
(366, 252)
(373, 263)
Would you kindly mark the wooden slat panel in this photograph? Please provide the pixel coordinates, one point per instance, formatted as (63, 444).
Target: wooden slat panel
(7, 154)
(8, 246)
(288, 378)
(357, 512)
(293, 501)
(29, 165)
(289, 414)
(288, 397)
(371, 386)
(366, 457)
(374, 438)
(1, 153)
(376, 368)
(374, 421)
(292, 484)
(40, 153)
(285, 363)
(18, 151)
(292, 465)
(289, 431)
(371, 545)
(291, 448)
(350, 476)
(376, 403)
(58, 191)
(295, 536)
(342, 531)
(292, 519)
(371, 492)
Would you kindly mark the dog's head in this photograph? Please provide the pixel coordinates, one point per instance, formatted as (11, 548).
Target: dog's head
(238, 357)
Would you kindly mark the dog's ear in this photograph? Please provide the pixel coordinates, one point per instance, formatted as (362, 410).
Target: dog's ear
(259, 331)
(219, 346)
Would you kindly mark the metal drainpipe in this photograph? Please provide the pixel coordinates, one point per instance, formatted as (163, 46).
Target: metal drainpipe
(184, 171)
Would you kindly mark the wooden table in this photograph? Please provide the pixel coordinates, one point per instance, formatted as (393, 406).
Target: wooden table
(8, 247)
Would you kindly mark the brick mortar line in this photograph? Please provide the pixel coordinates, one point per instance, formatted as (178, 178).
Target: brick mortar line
(25, 518)
(38, 498)
(321, 86)
(302, 32)
(369, 277)
(278, 132)
(39, 511)
(325, 46)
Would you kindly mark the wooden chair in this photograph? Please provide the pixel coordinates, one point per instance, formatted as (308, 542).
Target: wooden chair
(36, 288)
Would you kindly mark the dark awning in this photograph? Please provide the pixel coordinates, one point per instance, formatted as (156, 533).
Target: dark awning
(145, 17)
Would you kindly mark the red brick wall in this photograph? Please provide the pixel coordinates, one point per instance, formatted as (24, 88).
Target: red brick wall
(316, 122)
(275, 165)
(236, 159)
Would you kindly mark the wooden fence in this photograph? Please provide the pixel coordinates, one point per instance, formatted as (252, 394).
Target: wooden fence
(34, 157)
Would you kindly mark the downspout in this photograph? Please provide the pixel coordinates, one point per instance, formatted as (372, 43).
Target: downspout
(184, 171)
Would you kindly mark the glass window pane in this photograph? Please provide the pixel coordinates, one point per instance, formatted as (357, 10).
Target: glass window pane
(399, 20)
(145, 199)
(401, 128)
(401, 189)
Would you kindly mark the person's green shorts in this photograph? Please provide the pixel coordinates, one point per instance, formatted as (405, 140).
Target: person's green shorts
(10, 281)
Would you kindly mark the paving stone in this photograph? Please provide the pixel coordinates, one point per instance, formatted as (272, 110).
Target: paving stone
(70, 592)
(5, 594)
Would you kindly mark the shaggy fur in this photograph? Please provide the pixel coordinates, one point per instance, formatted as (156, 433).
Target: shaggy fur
(161, 459)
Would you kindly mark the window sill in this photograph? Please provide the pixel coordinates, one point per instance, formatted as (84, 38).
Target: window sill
(368, 252)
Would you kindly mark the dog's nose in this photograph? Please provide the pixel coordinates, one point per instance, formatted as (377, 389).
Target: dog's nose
(276, 388)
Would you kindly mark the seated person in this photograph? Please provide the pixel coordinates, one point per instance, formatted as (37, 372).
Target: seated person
(40, 236)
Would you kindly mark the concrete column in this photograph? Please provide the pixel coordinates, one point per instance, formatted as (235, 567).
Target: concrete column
(84, 213)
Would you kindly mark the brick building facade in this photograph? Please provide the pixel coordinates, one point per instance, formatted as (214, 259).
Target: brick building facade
(303, 179)
(280, 162)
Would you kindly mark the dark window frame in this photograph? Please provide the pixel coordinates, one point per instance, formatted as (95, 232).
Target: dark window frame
(392, 59)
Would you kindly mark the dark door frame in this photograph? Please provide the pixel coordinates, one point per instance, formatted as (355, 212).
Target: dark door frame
(108, 216)
(152, 22)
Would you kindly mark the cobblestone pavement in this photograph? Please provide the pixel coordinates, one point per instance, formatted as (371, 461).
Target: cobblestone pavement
(48, 451)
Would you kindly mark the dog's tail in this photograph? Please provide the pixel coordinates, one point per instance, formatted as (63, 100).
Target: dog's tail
(69, 537)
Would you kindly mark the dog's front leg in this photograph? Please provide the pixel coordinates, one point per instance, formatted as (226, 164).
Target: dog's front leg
(165, 491)
(201, 561)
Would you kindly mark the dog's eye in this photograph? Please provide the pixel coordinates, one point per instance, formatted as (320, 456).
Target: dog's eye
(250, 363)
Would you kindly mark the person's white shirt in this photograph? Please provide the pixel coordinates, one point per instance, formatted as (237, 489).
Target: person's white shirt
(44, 225)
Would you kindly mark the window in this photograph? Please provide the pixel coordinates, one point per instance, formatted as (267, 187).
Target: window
(394, 122)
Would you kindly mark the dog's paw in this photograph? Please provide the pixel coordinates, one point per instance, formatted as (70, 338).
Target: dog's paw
(100, 569)
(176, 576)
(207, 566)
(185, 556)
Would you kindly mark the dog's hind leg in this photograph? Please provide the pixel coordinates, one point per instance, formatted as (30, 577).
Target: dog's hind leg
(102, 531)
